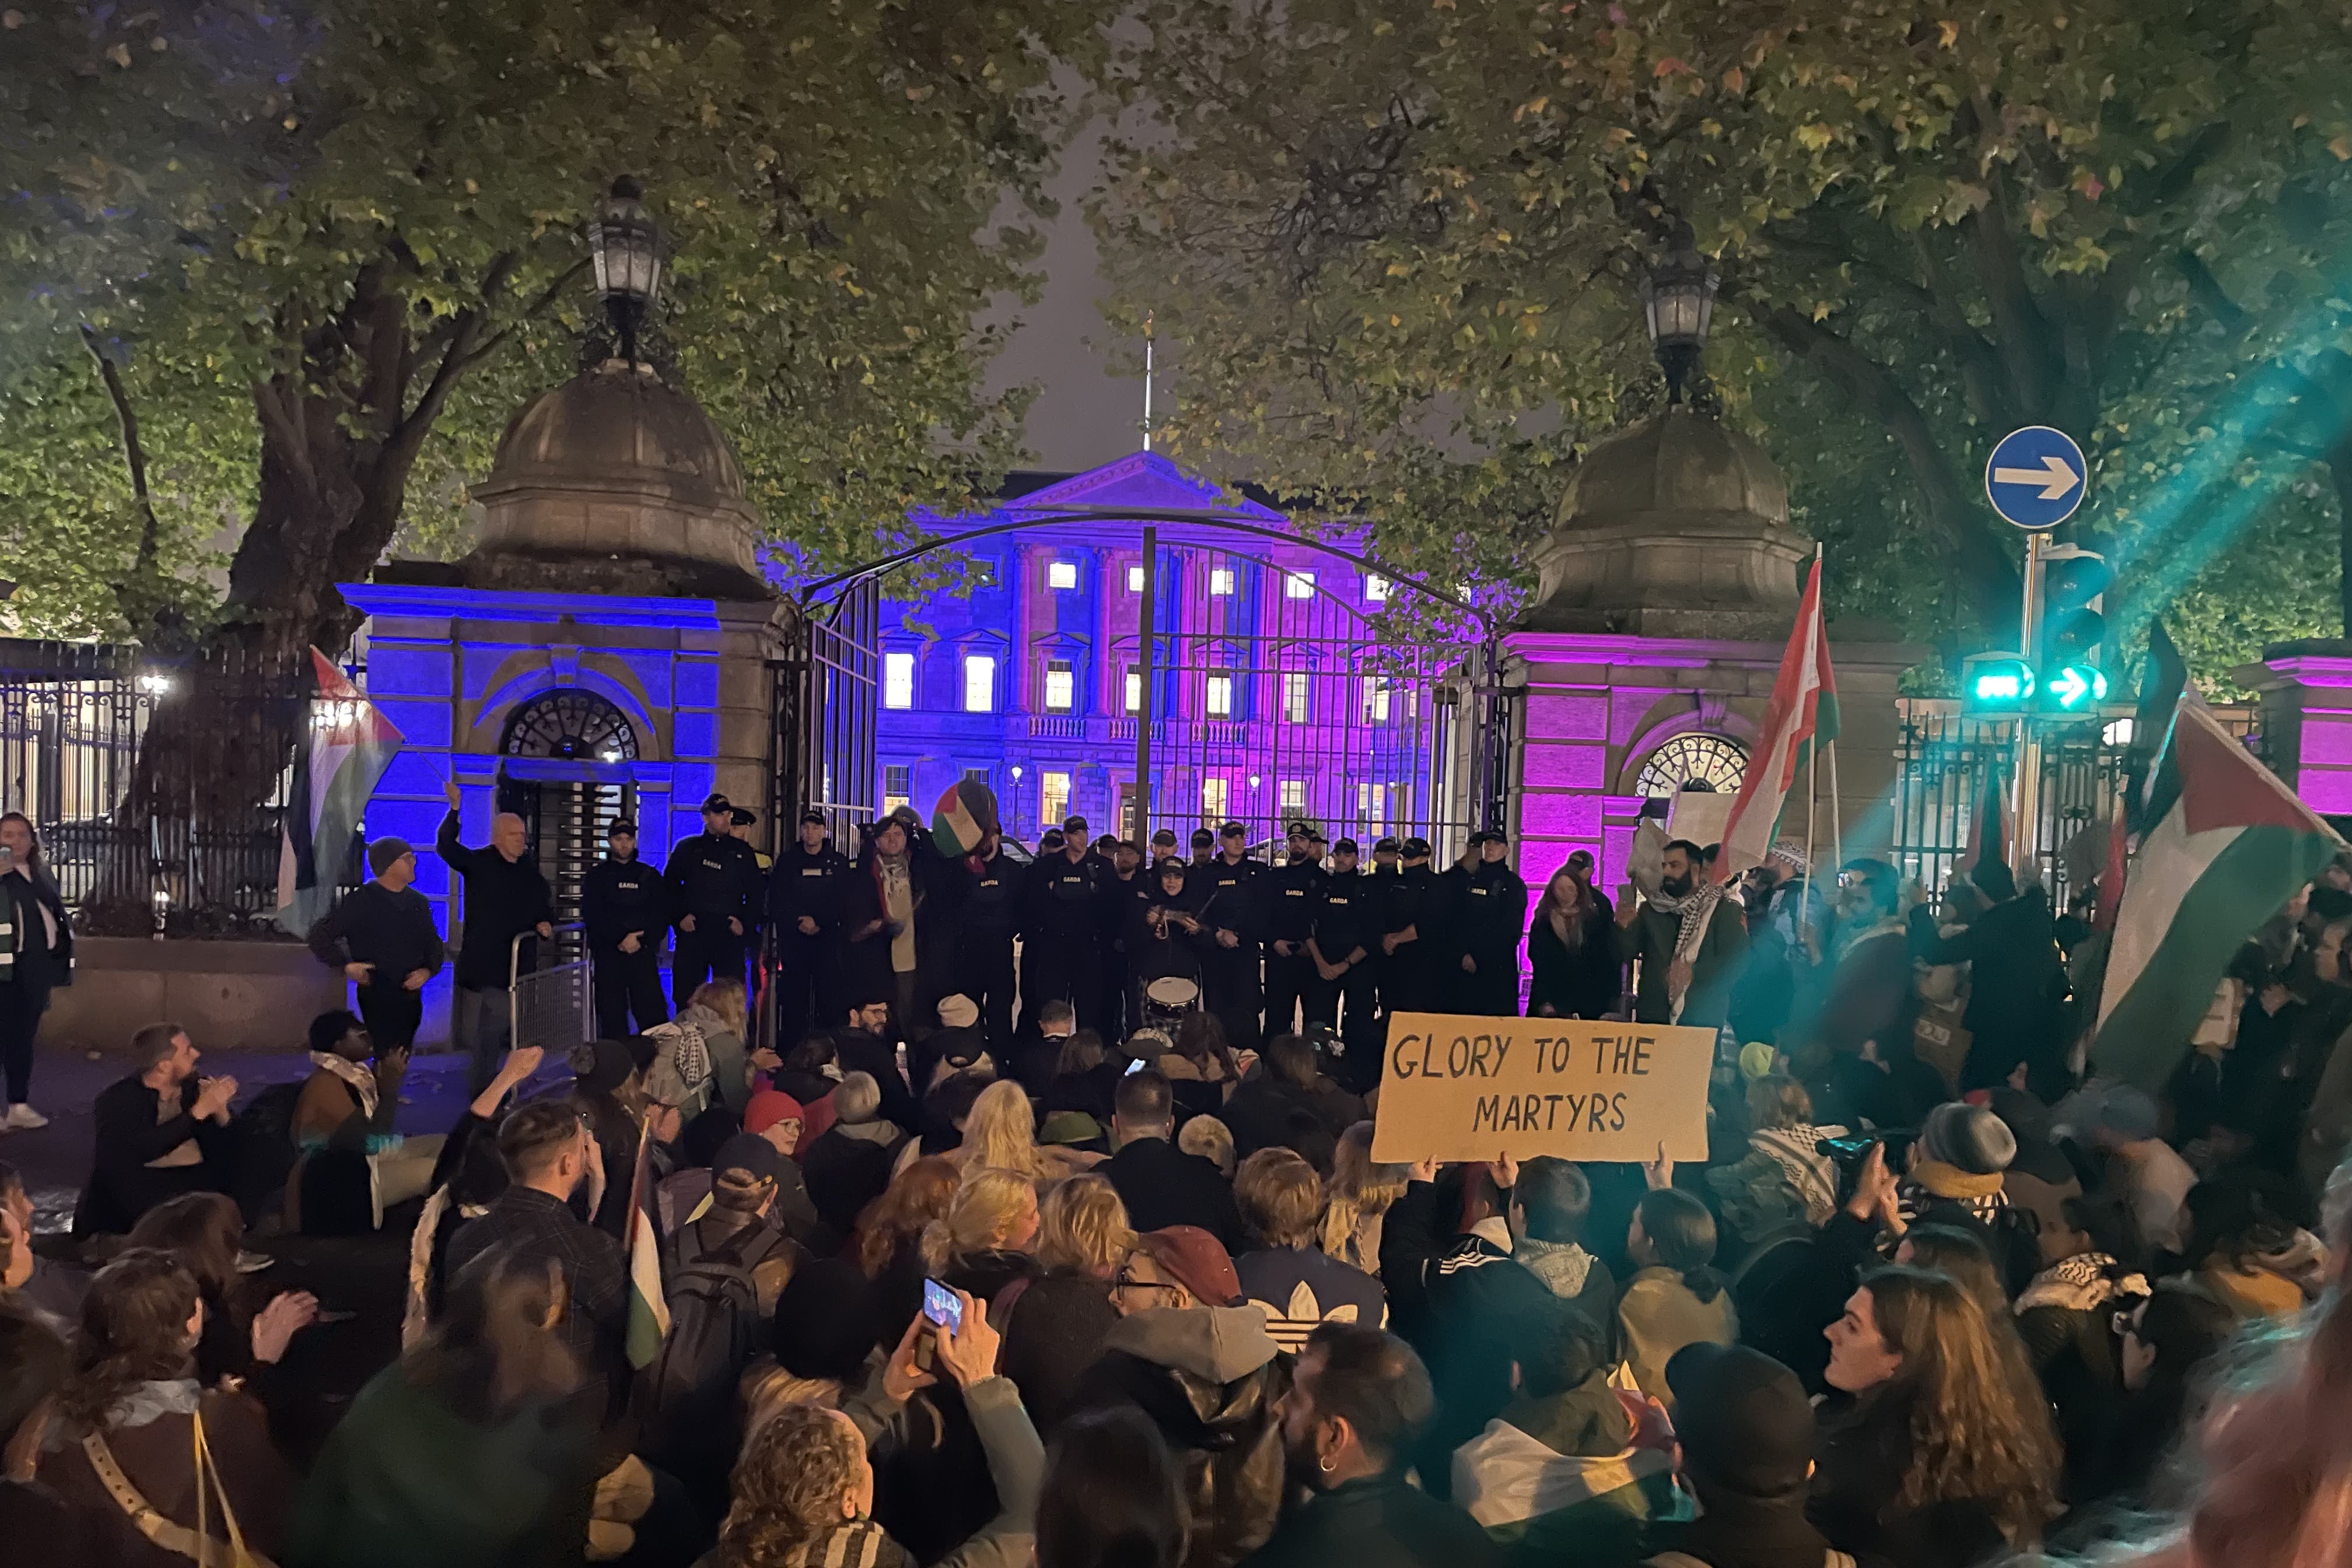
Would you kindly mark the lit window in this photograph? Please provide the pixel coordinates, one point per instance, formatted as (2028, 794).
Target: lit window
(1221, 696)
(898, 680)
(1134, 579)
(1055, 805)
(1299, 584)
(1215, 793)
(1062, 575)
(976, 776)
(1294, 696)
(1376, 588)
(1371, 798)
(1060, 682)
(979, 683)
(1294, 797)
(1376, 699)
(1221, 580)
(1134, 692)
(898, 783)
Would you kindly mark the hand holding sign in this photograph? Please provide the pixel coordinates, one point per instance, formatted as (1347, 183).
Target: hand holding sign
(1463, 1089)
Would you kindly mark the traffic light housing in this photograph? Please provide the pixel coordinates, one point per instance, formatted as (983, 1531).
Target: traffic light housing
(1996, 683)
(2073, 589)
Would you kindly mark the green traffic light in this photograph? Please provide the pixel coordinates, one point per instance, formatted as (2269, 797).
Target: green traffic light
(2004, 683)
(2077, 686)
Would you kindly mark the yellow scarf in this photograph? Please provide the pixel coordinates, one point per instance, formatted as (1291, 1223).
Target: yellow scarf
(1949, 1181)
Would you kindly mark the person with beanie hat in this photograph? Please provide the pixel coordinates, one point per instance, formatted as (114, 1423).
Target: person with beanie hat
(2040, 1178)
(1958, 1170)
(381, 936)
(1747, 1434)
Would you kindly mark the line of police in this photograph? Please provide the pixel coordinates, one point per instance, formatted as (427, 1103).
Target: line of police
(1337, 944)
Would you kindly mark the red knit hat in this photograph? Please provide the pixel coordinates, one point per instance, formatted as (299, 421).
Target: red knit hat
(770, 1105)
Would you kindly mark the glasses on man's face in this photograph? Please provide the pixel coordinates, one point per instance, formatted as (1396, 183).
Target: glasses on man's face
(1127, 1281)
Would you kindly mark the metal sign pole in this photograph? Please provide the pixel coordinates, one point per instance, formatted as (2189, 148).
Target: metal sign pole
(1143, 696)
(2026, 805)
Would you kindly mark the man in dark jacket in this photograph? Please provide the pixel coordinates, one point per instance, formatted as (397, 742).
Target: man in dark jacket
(1359, 1399)
(1405, 904)
(506, 898)
(382, 938)
(1195, 1358)
(1290, 1105)
(1747, 1435)
(1064, 917)
(714, 882)
(1346, 936)
(1126, 888)
(1689, 942)
(2015, 983)
(625, 903)
(1293, 894)
(804, 894)
(994, 895)
(1230, 909)
(1160, 1183)
(1493, 918)
(152, 1135)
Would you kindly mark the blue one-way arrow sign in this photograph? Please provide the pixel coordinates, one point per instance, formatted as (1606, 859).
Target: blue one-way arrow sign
(2036, 476)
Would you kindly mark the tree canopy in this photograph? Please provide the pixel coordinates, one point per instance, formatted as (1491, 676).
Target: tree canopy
(1409, 286)
(277, 270)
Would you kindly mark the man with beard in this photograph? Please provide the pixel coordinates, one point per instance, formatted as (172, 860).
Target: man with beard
(1688, 939)
(1359, 1397)
(1229, 959)
(1294, 893)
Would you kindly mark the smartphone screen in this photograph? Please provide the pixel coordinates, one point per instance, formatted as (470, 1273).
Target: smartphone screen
(1132, 1068)
(941, 1306)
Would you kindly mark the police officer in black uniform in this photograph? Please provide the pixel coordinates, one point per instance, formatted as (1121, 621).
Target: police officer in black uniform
(1346, 939)
(1204, 845)
(804, 912)
(715, 893)
(1124, 892)
(1162, 848)
(1493, 918)
(1407, 904)
(1231, 911)
(1065, 929)
(1293, 895)
(625, 904)
(991, 908)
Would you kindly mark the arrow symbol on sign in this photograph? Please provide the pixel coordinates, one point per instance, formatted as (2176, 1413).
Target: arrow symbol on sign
(2069, 687)
(2054, 476)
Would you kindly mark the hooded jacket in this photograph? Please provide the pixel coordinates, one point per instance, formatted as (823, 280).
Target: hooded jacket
(1579, 1476)
(1210, 1379)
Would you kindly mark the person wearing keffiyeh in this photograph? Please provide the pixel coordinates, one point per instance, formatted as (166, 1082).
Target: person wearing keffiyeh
(1688, 936)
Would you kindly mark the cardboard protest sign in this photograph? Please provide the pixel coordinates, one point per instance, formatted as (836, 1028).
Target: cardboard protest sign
(1460, 1087)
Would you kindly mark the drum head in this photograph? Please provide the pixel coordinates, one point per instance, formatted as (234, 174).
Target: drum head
(1172, 991)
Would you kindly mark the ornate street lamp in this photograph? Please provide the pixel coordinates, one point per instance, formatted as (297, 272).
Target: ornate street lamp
(1678, 297)
(628, 248)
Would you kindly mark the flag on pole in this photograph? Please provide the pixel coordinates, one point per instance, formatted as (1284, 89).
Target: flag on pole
(349, 746)
(1988, 837)
(2163, 676)
(2233, 845)
(2115, 871)
(648, 1302)
(1801, 716)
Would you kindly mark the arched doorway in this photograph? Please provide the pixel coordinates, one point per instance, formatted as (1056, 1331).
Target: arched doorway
(566, 775)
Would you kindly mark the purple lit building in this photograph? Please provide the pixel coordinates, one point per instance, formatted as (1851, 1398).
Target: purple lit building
(1272, 695)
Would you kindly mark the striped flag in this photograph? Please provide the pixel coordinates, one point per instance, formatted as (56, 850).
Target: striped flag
(349, 745)
(1801, 717)
(648, 1302)
(2232, 846)
(1988, 827)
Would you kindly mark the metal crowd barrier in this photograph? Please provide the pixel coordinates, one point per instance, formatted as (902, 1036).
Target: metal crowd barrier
(552, 1006)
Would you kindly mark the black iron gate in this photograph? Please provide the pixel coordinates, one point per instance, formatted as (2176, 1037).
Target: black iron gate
(826, 701)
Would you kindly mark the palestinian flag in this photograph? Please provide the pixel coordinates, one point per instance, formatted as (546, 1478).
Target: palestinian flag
(1802, 716)
(348, 747)
(648, 1302)
(1988, 827)
(966, 814)
(2232, 846)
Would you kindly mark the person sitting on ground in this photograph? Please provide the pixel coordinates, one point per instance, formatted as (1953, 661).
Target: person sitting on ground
(1113, 1496)
(1357, 1197)
(810, 1072)
(1290, 1105)
(153, 1129)
(549, 1157)
(1202, 1063)
(888, 1246)
(2246, 1253)
(1192, 1356)
(2039, 1178)
(347, 1108)
(706, 1041)
(133, 1406)
(2169, 1340)
(1960, 1252)
(1000, 1134)
(470, 1451)
(1943, 1458)
(1161, 1184)
(740, 1224)
(34, 1520)
(805, 1486)
(1783, 1180)
(205, 1234)
(466, 1179)
(1211, 1140)
(1747, 1434)
(1573, 1468)
(1293, 1282)
(868, 1042)
(1055, 1325)
(1084, 1078)
(2141, 1167)
(1358, 1399)
(2066, 1319)
(1546, 1212)
(1676, 1298)
(847, 1165)
(1050, 1028)
(52, 1289)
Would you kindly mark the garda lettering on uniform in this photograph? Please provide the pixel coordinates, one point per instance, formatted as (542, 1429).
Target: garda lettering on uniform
(1472, 1088)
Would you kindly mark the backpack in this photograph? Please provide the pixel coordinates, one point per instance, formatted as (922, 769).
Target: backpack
(715, 1329)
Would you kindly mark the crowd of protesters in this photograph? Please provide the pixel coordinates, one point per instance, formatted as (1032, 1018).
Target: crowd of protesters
(921, 1284)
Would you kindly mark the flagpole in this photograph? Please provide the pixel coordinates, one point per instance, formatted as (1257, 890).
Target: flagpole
(1805, 895)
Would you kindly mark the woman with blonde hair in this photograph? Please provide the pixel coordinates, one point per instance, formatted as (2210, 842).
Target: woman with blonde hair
(1055, 1325)
(1210, 1139)
(1356, 1199)
(1000, 1134)
(987, 1238)
(1947, 1455)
